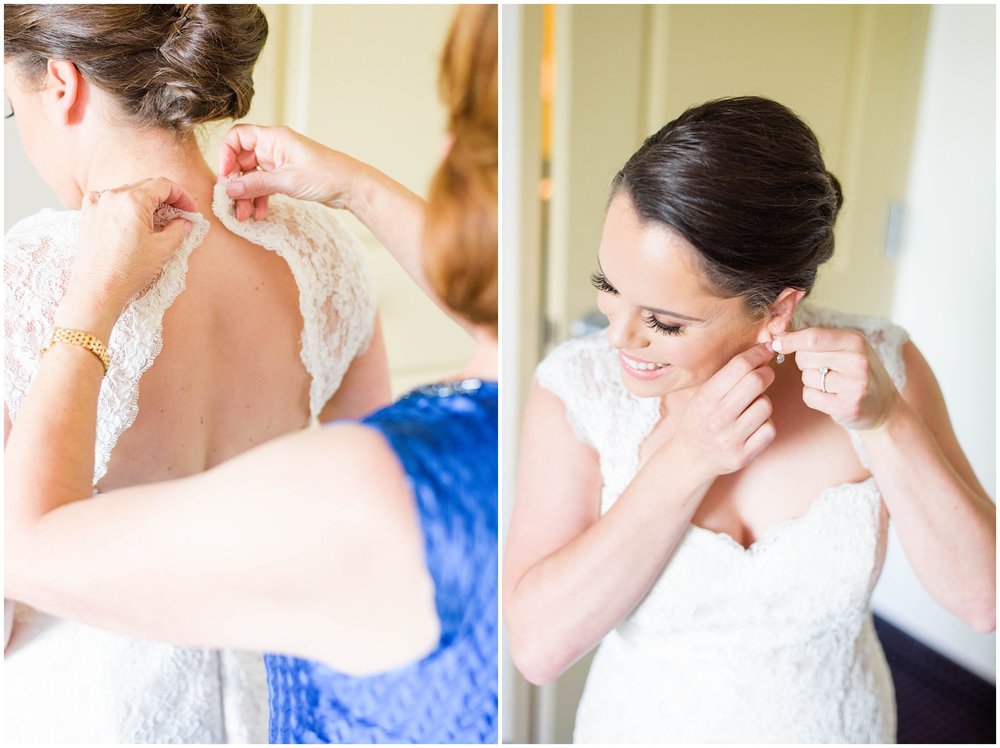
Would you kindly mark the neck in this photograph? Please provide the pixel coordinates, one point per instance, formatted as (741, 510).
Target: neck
(484, 361)
(127, 156)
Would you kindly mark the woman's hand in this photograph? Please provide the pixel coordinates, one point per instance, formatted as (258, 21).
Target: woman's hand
(727, 422)
(856, 390)
(262, 161)
(123, 247)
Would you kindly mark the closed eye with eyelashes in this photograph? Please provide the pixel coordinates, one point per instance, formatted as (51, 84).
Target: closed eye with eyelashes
(600, 282)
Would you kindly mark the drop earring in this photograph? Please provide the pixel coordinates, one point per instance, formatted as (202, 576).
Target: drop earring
(776, 347)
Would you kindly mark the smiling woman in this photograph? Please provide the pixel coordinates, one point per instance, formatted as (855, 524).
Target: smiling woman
(714, 519)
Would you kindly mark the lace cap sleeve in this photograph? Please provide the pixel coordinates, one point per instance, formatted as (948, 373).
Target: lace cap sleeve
(38, 258)
(336, 294)
(885, 337)
(573, 372)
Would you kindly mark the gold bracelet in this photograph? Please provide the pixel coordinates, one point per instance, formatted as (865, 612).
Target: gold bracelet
(83, 339)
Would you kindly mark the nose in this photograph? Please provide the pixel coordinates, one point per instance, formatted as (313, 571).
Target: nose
(625, 329)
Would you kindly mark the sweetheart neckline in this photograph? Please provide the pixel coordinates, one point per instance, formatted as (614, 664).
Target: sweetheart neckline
(771, 532)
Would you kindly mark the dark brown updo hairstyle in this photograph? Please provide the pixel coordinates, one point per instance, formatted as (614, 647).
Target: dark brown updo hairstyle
(167, 66)
(461, 226)
(743, 180)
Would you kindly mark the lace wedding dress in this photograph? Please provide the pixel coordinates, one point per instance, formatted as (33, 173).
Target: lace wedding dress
(774, 643)
(66, 682)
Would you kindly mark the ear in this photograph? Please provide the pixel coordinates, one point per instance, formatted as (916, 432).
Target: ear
(64, 92)
(779, 320)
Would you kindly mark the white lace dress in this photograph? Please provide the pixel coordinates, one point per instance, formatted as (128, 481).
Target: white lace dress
(66, 682)
(774, 643)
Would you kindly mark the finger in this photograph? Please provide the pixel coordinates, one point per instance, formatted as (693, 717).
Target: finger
(164, 191)
(244, 209)
(239, 141)
(258, 184)
(175, 232)
(747, 390)
(756, 413)
(260, 206)
(846, 362)
(821, 401)
(738, 367)
(759, 440)
(818, 339)
(836, 383)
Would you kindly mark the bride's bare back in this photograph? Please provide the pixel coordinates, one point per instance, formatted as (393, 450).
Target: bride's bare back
(231, 372)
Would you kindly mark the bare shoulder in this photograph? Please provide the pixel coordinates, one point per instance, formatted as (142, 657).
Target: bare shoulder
(921, 391)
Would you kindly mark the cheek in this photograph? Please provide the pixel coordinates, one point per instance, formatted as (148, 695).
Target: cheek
(50, 159)
(701, 357)
(33, 140)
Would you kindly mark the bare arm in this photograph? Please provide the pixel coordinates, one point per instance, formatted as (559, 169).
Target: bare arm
(571, 575)
(365, 387)
(946, 521)
(266, 552)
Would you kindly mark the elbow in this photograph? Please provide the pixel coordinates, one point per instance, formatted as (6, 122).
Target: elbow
(984, 621)
(984, 625)
(980, 613)
(534, 655)
(12, 560)
(534, 665)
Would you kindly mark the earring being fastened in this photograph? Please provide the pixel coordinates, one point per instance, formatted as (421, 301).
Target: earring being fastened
(776, 347)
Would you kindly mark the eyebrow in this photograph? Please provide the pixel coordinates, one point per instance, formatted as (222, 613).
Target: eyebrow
(654, 310)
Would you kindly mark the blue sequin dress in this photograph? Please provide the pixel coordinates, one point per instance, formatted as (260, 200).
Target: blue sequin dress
(446, 439)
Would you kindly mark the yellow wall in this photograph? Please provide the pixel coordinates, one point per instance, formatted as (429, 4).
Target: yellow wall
(363, 79)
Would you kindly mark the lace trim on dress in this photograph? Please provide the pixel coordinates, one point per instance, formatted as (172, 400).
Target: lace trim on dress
(336, 293)
(770, 643)
(38, 258)
(328, 263)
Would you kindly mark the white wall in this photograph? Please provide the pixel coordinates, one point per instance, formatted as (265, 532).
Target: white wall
(24, 191)
(945, 285)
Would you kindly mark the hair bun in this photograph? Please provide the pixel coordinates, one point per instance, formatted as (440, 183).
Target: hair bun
(743, 180)
(208, 53)
(172, 66)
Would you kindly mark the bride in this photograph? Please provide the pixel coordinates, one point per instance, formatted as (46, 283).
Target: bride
(713, 515)
(105, 95)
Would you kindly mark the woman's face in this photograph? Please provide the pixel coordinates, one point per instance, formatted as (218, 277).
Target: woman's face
(671, 333)
(45, 142)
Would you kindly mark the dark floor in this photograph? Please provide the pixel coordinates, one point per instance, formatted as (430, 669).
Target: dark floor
(938, 700)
